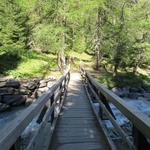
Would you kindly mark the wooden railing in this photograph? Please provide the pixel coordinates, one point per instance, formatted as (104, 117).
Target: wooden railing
(140, 121)
(47, 104)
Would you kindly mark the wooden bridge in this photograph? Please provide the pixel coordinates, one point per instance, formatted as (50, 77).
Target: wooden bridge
(70, 120)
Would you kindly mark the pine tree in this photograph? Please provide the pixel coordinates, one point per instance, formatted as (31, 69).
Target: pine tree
(12, 26)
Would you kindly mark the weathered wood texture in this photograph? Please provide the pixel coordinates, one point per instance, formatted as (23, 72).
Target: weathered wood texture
(53, 98)
(77, 128)
(140, 121)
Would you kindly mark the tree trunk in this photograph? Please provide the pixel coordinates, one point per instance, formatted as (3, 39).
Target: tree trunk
(115, 70)
(135, 68)
(97, 59)
(72, 38)
(61, 56)
(98, 39)
(64, 41)
(64, 35)
(61, 60)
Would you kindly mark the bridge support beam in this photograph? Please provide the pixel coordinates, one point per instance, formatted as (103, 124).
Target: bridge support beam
(105, 102)
(17, 145)
(139, 140)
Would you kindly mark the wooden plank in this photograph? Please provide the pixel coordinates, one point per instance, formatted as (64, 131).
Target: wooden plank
(42, 137)
(11, 132)
(77, 139)
(80, 146)
(114, 122)
(140, 120)
(109, 140)
(77, 127)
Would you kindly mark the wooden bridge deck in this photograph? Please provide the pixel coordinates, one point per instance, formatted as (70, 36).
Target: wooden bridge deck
(77, 128)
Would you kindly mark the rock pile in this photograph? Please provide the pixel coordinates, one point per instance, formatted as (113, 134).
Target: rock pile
(44, 85)
(14, 92)
(132, 93)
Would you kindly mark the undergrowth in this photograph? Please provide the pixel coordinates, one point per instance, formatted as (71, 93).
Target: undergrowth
(26, 64)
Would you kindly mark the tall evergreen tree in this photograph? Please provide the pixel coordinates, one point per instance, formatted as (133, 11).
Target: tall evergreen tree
(12, 25)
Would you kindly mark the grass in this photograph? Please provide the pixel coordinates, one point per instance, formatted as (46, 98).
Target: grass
(26, 64)
(79, 58)
(123, 79)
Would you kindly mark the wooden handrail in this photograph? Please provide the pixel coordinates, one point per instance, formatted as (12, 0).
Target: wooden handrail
(12, 131)
(139, 120)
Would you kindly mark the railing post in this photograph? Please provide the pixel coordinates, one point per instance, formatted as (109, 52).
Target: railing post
(139, 140)
(141, 122)
(17, 145)
(39, 120)
(67, 78)
(61, 90)
(105, 102)
(53, 112)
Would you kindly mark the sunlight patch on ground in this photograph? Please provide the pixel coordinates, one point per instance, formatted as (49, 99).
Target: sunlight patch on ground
(75, 76)
(144, 71)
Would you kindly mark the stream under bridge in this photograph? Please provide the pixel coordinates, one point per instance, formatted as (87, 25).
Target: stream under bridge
(68, 119)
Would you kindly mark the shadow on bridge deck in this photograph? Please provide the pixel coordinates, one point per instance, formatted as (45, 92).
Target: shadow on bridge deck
(77, 128)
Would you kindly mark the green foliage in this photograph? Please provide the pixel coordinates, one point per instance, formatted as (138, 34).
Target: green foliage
(124, 80)
(79, 56)
(12, 25)
(45, 37)
(26, 64)
(114, 32)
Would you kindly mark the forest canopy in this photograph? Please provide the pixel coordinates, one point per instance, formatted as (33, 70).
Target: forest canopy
(115, 33)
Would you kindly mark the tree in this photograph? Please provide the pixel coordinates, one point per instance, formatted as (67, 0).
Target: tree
(12, 26)
(114, 32)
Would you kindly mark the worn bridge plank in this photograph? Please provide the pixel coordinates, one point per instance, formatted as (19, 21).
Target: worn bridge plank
(77, 127)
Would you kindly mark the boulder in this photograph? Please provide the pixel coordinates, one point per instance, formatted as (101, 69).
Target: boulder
(117, 91)
(22, 101)
(49, 84)
(14, 100)
(125, 89)
(2, 79)
(3, 84)
(14, 92)
(43, 84)
(13, 83)
(25, 91)
(39, 93)
(0, 98)
(4, 107)
(141, 98)
(147, 96)
(24, 84)
(42, 81)
(124, 92)
(44, 89)
(147, 89)
(132, 89)
(29, 101)
(133, 95)
(7, 90)
(141, 90)
(34, 95)
(50, 78)
(32, 85)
